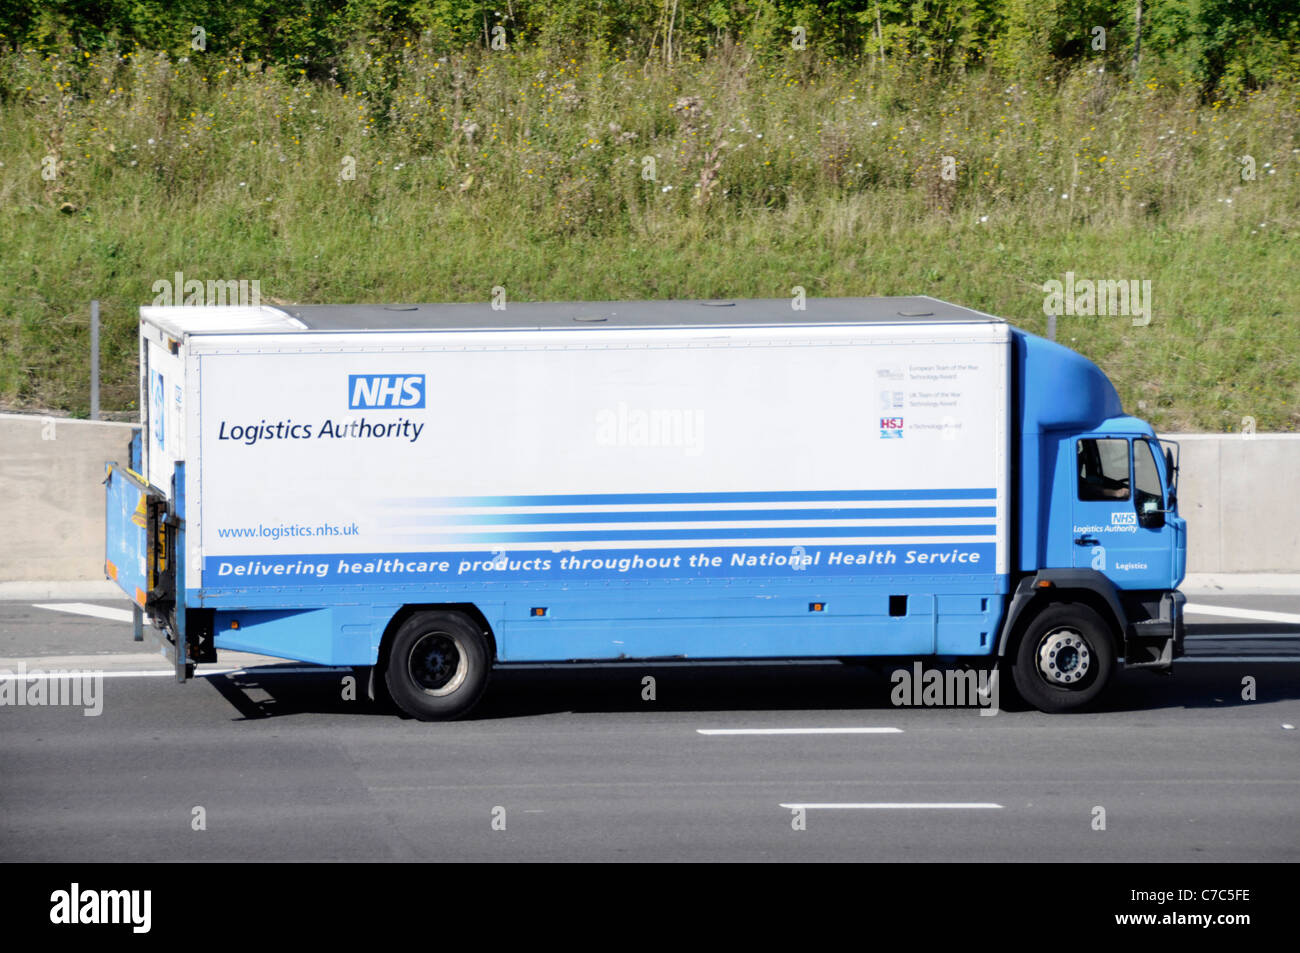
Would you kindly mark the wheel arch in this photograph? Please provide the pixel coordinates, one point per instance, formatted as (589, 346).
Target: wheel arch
(1050, 587)
(468, 609)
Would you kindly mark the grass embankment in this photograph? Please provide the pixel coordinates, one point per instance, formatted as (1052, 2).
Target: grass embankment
(518, 170)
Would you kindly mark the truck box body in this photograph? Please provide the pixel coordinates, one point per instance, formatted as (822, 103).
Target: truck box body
(868, 477)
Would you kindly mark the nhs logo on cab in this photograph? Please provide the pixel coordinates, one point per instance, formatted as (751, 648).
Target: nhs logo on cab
(375, 391)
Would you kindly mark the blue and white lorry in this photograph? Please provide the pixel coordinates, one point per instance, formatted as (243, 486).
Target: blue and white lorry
(432, 492)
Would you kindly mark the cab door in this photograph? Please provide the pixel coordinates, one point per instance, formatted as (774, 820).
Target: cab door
(1118, 527)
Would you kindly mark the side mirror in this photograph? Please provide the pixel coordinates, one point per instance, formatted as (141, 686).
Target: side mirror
(1150, 515)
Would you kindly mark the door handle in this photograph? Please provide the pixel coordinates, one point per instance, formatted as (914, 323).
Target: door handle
(1085, 541)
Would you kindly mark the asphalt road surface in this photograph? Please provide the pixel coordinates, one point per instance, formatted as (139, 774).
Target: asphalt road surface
(271, 762)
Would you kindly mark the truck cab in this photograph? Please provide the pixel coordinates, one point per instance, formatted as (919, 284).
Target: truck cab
(1100, 541)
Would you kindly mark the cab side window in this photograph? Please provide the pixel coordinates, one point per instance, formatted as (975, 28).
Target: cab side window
(1103, 469)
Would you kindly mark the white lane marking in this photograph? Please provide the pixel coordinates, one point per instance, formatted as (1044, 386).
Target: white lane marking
(902, 806)
(1271, 659)
(85, 608)
(1233, 636)
(158, 673)
(82, 673)
(799, 731)
(1228, 612)
(271, 670)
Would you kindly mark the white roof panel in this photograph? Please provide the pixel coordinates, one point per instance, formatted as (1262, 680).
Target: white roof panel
(521, 316)
(188, 319)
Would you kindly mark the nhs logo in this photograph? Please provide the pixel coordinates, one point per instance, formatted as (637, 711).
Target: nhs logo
(372, 391)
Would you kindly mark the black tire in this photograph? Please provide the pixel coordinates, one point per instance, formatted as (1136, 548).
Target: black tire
(1065, 660)
(437, 666)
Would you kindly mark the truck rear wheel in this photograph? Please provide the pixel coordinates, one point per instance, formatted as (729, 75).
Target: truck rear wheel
(1065, 660)
(437, 666)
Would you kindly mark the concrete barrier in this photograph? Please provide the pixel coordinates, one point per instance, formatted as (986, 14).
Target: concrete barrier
(1236, 492)
(52, 497)
(1238, 495)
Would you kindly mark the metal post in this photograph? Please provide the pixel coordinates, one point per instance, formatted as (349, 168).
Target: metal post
(1137, 40)
(137, 621)
(94, 360)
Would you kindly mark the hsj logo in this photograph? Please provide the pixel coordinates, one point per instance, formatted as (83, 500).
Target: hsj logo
(385, 390)
(891, 427)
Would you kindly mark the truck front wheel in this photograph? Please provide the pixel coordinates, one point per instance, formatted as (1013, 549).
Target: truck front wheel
(438, 666)
(1065, 659)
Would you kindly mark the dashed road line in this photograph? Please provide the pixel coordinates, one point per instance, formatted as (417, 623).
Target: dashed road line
(799, 731)
(900, 806)
(169, 673)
